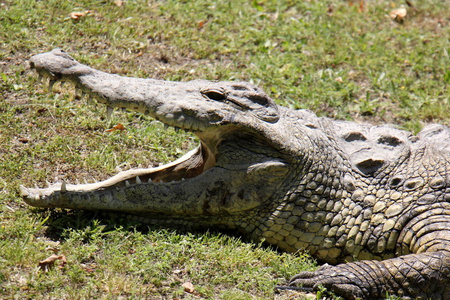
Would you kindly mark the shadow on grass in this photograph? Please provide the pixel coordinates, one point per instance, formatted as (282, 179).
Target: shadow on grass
(59, 221)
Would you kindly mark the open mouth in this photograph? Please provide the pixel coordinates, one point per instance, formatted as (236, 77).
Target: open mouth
(229, 165)
(190, 165)
(221, 114)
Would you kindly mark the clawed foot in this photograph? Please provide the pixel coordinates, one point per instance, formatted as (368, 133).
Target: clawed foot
(336, 279)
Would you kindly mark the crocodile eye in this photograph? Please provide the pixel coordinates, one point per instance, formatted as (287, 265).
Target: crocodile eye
(214, 95)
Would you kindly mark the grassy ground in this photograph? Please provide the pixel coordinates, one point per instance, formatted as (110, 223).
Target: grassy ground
(341, 60)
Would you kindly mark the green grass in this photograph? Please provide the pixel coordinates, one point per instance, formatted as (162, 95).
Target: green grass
(109, 261)
(326, 56)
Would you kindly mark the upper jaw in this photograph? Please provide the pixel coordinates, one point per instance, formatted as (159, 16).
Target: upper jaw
(177, 104)
(195, 105)
(57, 65)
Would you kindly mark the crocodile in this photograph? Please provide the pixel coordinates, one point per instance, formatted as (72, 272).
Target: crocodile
(372, 202)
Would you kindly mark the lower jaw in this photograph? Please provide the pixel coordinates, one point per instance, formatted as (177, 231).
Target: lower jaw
(190, 165)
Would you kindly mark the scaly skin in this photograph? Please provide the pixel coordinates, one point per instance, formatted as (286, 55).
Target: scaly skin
(342, 191)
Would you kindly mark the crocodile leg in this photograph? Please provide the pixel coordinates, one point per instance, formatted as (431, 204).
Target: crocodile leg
(421, 276)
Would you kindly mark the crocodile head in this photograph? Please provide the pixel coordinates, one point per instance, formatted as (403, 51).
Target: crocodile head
(237, 167)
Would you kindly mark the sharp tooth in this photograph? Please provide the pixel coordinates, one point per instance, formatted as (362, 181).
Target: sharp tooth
(183, 179)
(36, 197)
(149, 180)
(36, 186)
(138, 180)
(48, 183)
(23, 191)
(77, 181)
(166, 126)
(63, 187)
(109, 112)
(85, 181)
(127, 183)
(62, 84)
(51, 83)
(77, 91)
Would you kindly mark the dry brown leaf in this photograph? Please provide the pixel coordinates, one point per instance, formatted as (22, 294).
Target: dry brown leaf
(360, 5)
(76, 15)
(119, 126)
(63, 259)
(201, 24)
(189, 287)
(23, 140)
(398, 14)
(409, 3)
(46, 264)
(330, 10)
(119, 3)
(88, 269)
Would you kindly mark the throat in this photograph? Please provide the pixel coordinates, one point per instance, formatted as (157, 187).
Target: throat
(195, 165)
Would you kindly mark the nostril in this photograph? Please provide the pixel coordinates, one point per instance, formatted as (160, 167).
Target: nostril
(31, 65)
(389, 141)
(354, 136)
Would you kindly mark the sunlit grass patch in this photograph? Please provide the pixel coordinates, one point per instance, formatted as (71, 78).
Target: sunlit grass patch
(339, 60)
